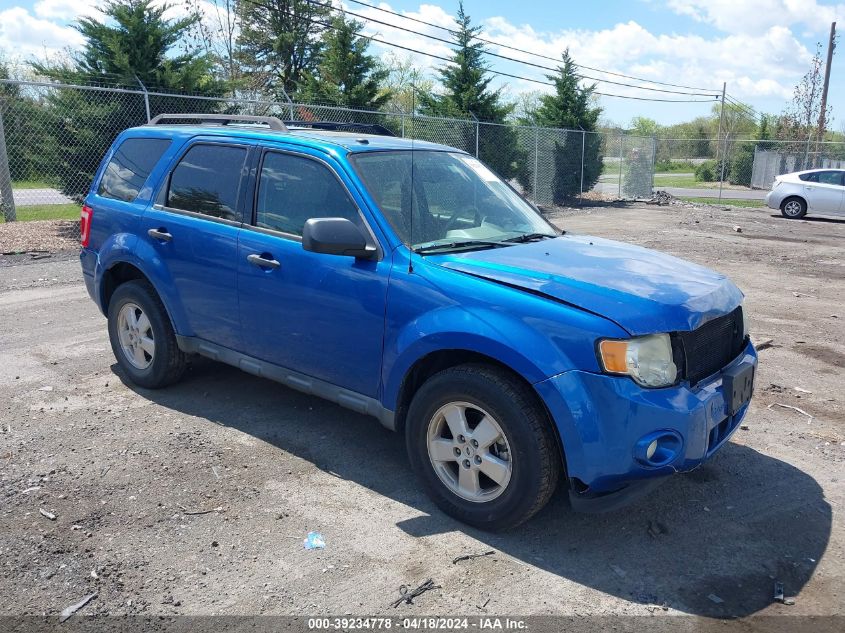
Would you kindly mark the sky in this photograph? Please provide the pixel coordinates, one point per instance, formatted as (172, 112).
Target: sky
(761, 48)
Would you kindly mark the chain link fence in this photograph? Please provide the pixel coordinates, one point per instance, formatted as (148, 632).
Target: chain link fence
(736, 169)
(53, 136)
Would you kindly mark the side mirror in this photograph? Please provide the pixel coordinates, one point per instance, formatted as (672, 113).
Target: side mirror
(336, 236)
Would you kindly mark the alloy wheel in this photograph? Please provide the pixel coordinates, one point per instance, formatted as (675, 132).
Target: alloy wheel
(135, 333)
(792, 208)
(469, 452)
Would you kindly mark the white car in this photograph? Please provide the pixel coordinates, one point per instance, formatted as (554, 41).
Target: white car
(816, 190)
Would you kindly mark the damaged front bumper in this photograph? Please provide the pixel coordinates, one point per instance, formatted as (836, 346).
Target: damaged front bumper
(607, 425)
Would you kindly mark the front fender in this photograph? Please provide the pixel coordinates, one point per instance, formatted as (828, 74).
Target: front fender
(127, 248)
(418, 340)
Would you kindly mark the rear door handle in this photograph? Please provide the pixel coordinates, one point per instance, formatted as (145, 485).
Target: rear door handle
(160, 234)
(262, 262)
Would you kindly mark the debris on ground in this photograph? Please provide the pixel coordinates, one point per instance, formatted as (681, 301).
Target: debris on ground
(789, 406)
(69, 611)
(737, 229)
(619, 571)
(48, 388)
(779, 597)
(39, 236)
(46, 514)
(314, 540)
(656, 528)
(194, 512)
(471, 556)
(800, 390)
(714, 598)
(408, 596)
(765, 344)
(663, 198)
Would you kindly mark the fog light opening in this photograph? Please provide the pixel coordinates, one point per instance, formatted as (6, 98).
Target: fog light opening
(658, 449)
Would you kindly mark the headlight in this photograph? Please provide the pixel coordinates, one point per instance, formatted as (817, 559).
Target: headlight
(746, 324)
(646, 359)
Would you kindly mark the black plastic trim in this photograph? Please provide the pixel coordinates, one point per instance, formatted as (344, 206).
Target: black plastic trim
(290, 378)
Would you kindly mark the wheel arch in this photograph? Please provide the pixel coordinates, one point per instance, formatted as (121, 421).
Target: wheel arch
(121, 271)
(430, 364)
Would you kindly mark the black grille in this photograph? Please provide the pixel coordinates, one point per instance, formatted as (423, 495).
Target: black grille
(712, 346)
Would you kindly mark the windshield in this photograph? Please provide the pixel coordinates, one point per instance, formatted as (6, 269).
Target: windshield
(451, 199)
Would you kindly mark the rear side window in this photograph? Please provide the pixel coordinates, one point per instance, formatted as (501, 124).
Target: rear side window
(207, 180)
(292, 190)
(814, 177)
(130, 166)
(830, 177)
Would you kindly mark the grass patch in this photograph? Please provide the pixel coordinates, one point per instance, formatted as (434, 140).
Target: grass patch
(31, 184)
(608, 167)
(686, 181)
(47, 212)
(733, 202)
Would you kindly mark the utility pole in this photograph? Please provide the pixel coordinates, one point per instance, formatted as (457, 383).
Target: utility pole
(721, 120)
(831, 45)
(7, 196)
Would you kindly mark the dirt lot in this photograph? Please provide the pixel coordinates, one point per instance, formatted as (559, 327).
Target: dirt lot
(196, 499)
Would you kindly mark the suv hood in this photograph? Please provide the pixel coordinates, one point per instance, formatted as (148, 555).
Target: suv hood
(643, 291)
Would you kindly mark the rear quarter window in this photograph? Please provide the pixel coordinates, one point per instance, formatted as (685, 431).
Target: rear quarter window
(130, 166)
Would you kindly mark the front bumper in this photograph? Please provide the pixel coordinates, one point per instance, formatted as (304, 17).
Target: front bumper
(601, 418)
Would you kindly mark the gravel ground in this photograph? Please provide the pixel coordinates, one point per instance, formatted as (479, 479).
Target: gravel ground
(196, 499)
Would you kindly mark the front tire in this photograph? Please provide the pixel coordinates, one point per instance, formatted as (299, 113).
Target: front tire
(793, 208)
(482, 446)
(142, 338)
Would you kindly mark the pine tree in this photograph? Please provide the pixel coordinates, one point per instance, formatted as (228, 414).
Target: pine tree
(467, 92)
(346, 75)
(135, 42)
(280, 40)
(570, 107)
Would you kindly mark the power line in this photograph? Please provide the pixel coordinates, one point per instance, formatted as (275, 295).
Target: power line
(525, 52)
(745, 108)
(505, 57)
(492, 72)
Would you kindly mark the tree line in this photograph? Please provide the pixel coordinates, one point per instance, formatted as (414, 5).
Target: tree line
(300, 50)
(308, 51)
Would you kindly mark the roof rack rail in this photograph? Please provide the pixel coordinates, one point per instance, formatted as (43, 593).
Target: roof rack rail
(272, 122)
(334, 126)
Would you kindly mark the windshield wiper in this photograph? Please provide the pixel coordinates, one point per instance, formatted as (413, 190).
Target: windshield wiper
(529, 237)
(464, 243)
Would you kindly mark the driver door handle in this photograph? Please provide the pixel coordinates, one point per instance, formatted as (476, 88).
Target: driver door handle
(262, 262)
(160, 234)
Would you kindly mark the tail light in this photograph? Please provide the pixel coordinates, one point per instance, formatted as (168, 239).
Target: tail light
(85, 225)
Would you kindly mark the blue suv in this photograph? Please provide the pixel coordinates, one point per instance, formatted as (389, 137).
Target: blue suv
(406, 281)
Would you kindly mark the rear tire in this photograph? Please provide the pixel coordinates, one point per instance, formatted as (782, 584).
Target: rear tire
(482, 446)
(142, 337)
(793, 208)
